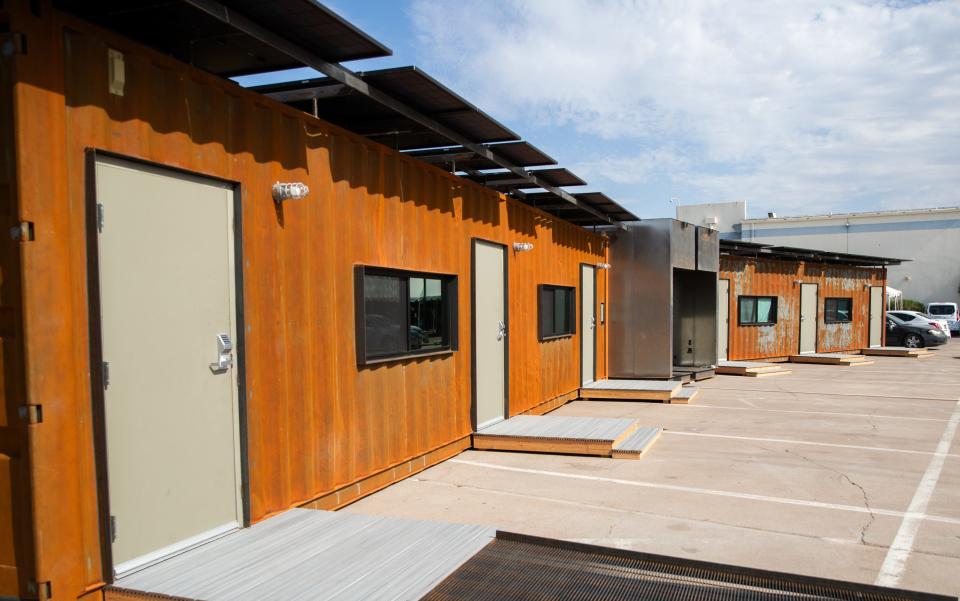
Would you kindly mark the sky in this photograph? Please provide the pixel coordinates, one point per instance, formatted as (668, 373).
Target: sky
(796, 107)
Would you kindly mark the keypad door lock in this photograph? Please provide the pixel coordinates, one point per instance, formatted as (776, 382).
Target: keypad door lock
(224, 354)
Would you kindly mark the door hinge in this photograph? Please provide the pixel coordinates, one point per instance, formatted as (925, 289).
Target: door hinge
(42, 590)
(113, 528)
(13, 43)
(106, 375)
(99, 217)
(31, 414)
(23, 231)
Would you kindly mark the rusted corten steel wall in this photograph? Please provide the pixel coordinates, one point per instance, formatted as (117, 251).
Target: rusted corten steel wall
(16, 547)
(316, 421)
(764, 277)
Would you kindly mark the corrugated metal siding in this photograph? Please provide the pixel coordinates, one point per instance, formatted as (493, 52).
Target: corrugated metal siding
(762, 277)
(316, 422)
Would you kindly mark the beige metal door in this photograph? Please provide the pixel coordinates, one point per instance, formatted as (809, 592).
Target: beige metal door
(489, 332)
(167, 294)
(876, 315)
(723, 318)
(808, 318)
(588, 323)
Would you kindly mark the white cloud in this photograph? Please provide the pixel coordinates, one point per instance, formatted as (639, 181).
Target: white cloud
(798, 104)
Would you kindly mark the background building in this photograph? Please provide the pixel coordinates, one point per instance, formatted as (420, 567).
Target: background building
(929, 238)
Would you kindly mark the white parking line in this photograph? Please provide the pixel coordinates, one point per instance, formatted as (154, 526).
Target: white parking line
(871, 396)
(808, 442)
(802, 412)
(900, 550)
(710, 492)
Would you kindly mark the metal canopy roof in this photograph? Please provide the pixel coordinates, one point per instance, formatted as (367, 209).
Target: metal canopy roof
(337, 103)
(740, 248)
(203, 33)
(521, 154)
(235, 37)
(505, 181)
(492, 145)
(581, 213)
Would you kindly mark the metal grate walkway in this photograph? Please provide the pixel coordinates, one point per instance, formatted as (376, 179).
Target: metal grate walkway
(519, 568)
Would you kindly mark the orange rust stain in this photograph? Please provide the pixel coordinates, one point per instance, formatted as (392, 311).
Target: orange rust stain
(763, 277)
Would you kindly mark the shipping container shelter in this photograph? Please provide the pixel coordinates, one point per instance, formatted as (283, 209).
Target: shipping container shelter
(663, 291)
(188, 348)
(775, 302)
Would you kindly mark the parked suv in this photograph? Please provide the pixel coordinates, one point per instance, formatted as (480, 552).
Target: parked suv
(915, 333)
(948, 311)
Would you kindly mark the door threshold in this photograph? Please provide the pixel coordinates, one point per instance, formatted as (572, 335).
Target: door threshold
(162, 554)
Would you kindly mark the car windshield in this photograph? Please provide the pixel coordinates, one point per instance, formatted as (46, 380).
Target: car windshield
(905, 316)
(942, 309)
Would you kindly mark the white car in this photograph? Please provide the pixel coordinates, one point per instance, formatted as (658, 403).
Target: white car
(948, 311)
(916, 317)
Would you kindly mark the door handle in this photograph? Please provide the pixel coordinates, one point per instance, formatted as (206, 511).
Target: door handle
(224, 354)
(501, 330)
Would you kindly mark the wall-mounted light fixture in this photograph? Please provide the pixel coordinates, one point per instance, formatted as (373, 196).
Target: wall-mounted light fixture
(797, 281)
(289, 191)
(604, 265)
(522, 246)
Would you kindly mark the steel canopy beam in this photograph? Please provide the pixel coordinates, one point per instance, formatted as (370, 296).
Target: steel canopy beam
(350, 80)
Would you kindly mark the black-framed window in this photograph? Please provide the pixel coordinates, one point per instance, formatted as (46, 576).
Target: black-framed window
(758, 310)
(557, 306)
(403, 313)
(838, 310)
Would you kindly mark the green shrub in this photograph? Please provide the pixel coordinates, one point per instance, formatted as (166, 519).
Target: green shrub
(911, 305)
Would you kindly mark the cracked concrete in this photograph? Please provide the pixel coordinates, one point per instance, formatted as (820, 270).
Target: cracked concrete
(844, 476)
(828, 511)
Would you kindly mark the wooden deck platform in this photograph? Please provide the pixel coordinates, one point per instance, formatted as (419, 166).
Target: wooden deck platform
(897, 351)
(831, 359)
(752, 369)
(632, 390)
(635, 445)
(311, 554)
(556, 434)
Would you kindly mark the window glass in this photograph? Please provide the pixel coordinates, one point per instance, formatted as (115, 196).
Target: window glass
(942, 309)
(384, 311)
(748, 307)
(558, 305)
(426, 314)
(765, 310)
(758, 310)
(837, 310)
(560, 309)
(402, 313)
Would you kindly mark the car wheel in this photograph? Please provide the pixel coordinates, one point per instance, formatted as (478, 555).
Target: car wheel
(912, 341)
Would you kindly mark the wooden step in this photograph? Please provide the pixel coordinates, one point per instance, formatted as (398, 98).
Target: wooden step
(753, 369)
(631, 390)
(556, 434)
(831, 359)
(637, 444)
(897, 351)
(766, 374)
(686, 394)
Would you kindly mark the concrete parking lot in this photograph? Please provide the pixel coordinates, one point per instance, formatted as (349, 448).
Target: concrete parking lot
(839, 472)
